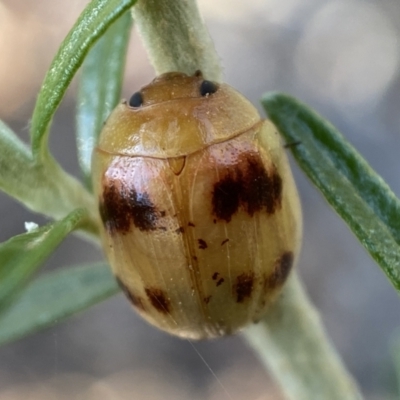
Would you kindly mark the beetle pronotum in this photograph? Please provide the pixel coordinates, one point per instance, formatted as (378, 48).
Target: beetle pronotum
(201, 217)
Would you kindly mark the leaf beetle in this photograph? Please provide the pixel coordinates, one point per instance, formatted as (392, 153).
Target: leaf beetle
(201, 221)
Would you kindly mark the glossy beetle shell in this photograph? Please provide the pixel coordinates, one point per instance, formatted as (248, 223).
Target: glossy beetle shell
(201, 218)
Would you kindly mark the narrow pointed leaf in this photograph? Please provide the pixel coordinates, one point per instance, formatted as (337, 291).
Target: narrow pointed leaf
(100, 87)
(45, 189)
(15, 161)
(54, 297)
(22, 255)
(93, 22)
(357, 193)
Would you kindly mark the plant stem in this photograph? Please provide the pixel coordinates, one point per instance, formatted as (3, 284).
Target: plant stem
(291, 342)
(176, 38)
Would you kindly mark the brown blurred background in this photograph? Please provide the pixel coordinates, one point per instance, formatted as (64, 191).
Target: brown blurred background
(340, 56)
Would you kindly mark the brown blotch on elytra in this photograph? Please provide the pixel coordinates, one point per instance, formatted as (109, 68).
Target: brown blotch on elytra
(220, 281)
(181, 229)
(136, 301)
(191, 224)
(244, 286)
(121, 205)
(159, 300)
(202, 244)
(282, 268)
(113, 210)
(224, 241)
(247, 185)
(215, 275)
(207, 299)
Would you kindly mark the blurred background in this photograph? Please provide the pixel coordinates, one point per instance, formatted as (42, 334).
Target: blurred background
(340, 56)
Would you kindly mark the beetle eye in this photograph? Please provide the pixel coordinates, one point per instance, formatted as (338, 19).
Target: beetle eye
(208, 87)
(136, 100)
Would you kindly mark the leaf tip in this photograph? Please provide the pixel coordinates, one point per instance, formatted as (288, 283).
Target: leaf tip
(274, 98)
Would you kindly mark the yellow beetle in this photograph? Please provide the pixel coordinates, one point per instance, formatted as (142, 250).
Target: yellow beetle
(201, 217)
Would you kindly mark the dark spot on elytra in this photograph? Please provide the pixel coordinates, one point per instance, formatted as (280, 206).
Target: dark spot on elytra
(207, 299)
(162, 214)
(202, 244)
(143, 211)
(158, 299)
(114, 211)
(244, 286)
(281, 271)
(226, 198)
(191, 224)
(215, 275)
(122, 205)
(224, 241)
(194, 258)
(134, 299)
(221, 281)
(247, 185)
(181, 229)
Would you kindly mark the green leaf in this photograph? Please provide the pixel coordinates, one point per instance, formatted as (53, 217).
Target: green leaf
(93, 22)
(15, 160)
(56, 296)
(100, 87)
(357, 193)
(45, 189)
(22, 255)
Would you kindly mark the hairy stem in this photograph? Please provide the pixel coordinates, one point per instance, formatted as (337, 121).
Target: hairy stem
(291, 342)
(176, 38)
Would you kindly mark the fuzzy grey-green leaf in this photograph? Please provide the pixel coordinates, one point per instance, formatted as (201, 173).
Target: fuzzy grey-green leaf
(93, 22)
(54, 297)
(357, 193)
(46, 189)
(15, 162)
(22, 255)
(100, 87)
